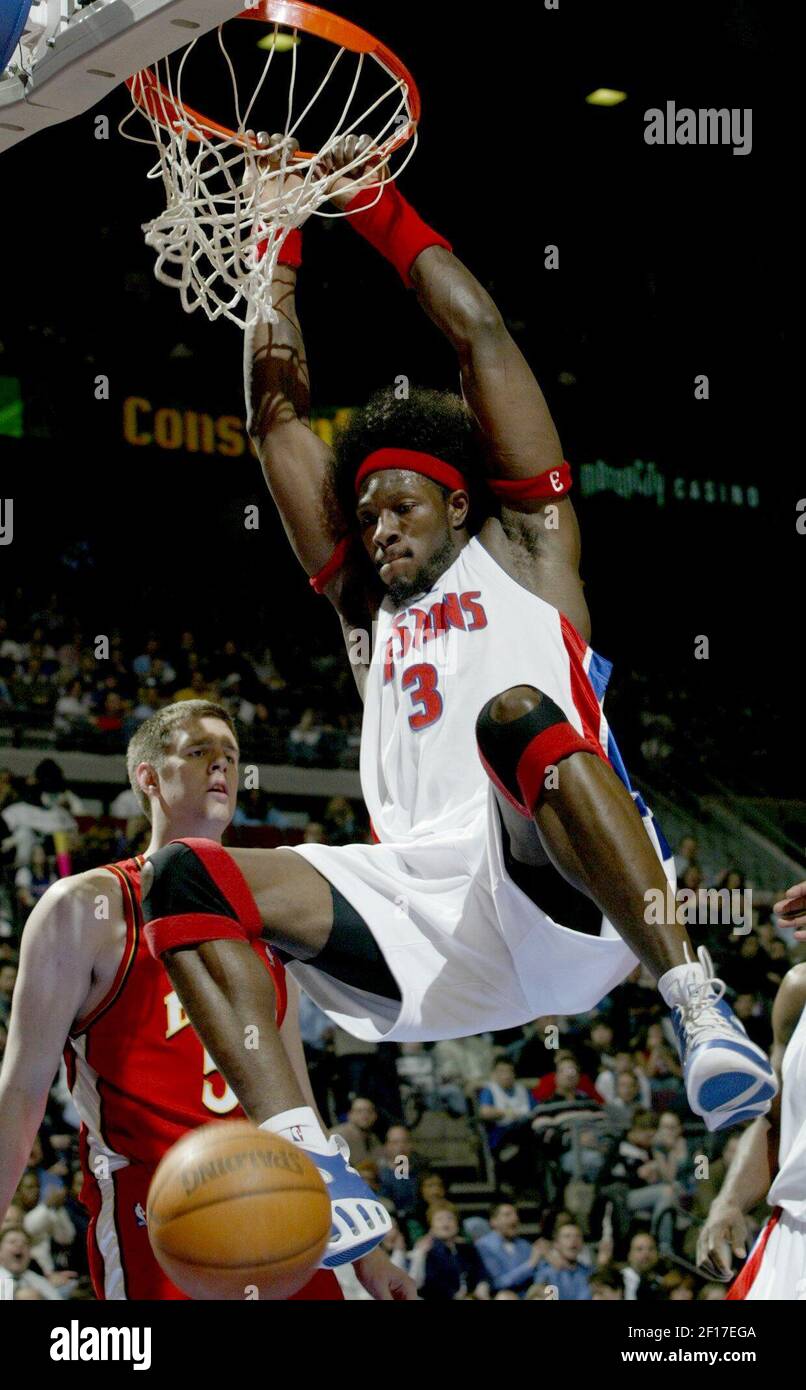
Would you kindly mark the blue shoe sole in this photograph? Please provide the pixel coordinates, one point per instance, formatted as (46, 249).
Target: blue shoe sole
(721, 1090)
(356, 1252)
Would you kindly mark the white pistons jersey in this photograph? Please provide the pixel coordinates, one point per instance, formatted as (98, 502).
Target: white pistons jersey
(470, 952)
(435, 665)
(789, 1188)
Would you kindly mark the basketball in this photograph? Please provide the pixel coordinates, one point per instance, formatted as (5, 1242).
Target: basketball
(235, 1212)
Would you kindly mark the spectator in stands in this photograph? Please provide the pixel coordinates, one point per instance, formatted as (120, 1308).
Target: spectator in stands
(743, 968)
(693, 879)
(252, 808)
(670, 1149)
(606, 1285)
(44, 1219)
(400, 1170)
(163, 673)
(562, 1266)
(340, 821)
(314, 833)
(596, 1052)
(443, 1266)
(15, 1260)
(53, 789)
(73, 715)
(632, 1180)
(32, 881)
(625, 1091)
(566, 1082)
(508, 1258)
(110, 719)
(143, 665)
(420, 1088)
(305, 739)
(688, 854)
(359, 1130)
(263, 728)
(51, 1170)
(229, 661)
(505, 1108)
(464, 1061)
(712, 1293)
(198, 689)
(641, 1283)
(677, 1287)
(430, 1192)
(31, 688)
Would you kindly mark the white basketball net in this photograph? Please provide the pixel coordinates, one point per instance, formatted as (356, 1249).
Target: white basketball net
(221, 205)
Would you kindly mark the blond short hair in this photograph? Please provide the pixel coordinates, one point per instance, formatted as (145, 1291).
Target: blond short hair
(151, 742)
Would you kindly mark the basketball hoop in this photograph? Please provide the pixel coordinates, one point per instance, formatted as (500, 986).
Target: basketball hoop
(222, 202)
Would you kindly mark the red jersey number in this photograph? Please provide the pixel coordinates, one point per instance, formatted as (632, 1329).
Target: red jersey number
(421, 683)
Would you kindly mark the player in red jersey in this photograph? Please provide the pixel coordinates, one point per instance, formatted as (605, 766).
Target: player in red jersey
(139, 1075)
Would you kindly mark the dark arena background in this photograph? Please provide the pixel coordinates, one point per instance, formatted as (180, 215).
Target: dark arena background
(125, 455)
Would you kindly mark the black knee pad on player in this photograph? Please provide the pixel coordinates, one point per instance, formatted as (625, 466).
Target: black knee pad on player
(352, 955)
(502, 744)
(197, 894)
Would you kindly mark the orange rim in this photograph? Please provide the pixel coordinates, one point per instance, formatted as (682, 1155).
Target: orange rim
(152, 95)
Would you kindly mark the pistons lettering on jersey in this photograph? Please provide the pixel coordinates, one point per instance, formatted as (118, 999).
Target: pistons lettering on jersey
(415, 628)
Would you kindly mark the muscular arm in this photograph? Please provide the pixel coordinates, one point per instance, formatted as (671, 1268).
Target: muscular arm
(59, 947)
(753, 1168)
(296, 463)
(514, 423)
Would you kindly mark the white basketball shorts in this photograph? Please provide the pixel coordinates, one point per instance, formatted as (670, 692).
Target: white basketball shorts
(470, 952)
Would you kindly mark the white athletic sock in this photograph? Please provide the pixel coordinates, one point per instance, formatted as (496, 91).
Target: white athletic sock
(673, 987)
(299, 1126)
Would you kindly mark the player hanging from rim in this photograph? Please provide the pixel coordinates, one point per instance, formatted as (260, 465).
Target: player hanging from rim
(770, 1162)
(496, 792)
(138, 1075)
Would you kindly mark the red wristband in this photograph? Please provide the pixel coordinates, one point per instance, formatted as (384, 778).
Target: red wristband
(391, 225)
(320, 581)
(290, 251)
(555, 482)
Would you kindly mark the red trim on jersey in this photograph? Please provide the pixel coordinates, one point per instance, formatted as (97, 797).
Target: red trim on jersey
(91, 1199)
(555, 482)
(131, 914)
(744, 1281)
(543, 751)
(582, 692)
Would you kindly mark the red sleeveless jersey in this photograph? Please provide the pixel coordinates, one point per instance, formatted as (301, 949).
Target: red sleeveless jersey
(140, 1079)
(139, 1076)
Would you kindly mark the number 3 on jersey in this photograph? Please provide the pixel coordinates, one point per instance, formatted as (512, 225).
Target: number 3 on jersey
(421, 683)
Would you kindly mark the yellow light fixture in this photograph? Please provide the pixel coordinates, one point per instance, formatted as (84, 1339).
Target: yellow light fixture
(605, 96)
(279, 41)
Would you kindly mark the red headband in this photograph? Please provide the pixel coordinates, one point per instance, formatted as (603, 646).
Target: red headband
(413, 462)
